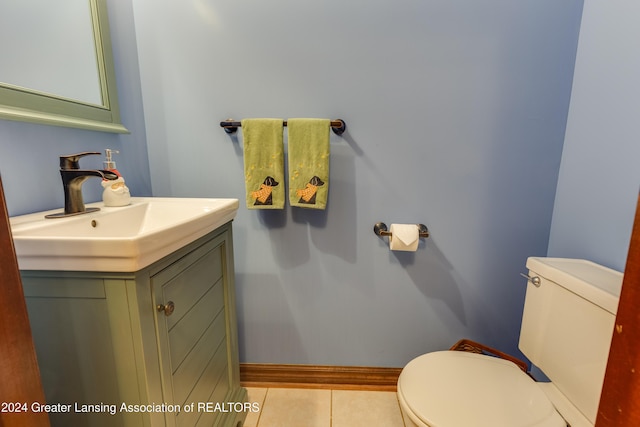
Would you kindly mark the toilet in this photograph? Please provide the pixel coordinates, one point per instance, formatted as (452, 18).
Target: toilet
(567, 325)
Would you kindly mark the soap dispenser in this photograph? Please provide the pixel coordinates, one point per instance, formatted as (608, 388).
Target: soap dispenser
(115, 192)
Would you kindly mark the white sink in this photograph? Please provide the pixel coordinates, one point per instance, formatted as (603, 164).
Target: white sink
(122, 239)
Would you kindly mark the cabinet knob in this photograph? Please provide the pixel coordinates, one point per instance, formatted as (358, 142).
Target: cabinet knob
(168, 308)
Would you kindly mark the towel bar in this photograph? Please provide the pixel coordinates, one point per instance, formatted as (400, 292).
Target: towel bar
(381, 230)
(338, 126)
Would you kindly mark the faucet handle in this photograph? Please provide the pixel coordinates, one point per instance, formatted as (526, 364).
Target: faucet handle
(71, 161)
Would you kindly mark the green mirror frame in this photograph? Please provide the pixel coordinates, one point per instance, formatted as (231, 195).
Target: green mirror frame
(23, 104)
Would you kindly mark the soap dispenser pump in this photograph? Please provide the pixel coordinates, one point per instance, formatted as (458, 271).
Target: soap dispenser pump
(109, 164)
(115, 192)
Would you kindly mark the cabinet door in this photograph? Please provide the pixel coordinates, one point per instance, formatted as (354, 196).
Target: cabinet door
(82, 335)
(192, 325)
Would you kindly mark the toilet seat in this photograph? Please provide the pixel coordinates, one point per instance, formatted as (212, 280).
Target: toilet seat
(454, 388)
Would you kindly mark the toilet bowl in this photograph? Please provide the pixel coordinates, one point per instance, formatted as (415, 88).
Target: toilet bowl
(567, 326)
(454, 388)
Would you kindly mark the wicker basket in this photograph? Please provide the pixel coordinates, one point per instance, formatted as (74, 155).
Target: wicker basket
(475, 347)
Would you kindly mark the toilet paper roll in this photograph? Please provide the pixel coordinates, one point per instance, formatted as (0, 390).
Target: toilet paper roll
(404, 237)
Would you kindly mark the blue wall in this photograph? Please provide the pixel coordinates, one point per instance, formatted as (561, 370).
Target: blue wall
(456, 114)
(29, 153)
(600, 177)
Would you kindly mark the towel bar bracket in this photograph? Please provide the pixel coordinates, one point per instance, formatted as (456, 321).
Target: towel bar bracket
(229, 126)
(338, 126)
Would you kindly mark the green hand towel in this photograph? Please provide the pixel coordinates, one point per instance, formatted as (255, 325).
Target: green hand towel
(263, 163)
(308, 162)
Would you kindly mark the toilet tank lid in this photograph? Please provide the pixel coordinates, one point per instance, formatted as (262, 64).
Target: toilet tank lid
(593, 282)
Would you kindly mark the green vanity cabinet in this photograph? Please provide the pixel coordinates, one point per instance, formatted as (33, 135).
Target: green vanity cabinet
(155, 347)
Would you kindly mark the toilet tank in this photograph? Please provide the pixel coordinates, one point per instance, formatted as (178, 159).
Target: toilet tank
(567, 326)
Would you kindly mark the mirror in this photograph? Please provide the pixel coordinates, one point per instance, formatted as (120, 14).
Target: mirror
(56, 65)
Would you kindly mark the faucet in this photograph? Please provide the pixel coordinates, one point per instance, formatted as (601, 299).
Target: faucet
(72, 179)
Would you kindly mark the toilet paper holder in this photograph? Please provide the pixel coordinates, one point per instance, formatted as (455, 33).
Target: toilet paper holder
(381, 230)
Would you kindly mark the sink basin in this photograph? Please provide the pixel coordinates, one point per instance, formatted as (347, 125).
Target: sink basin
(122, 239)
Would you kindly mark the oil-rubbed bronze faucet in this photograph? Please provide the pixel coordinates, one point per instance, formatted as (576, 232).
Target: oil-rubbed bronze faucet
(72, 179)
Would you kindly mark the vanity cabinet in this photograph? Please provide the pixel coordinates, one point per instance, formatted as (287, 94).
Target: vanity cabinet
(155, 347)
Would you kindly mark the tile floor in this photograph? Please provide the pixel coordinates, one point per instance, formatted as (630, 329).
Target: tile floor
(290, 407)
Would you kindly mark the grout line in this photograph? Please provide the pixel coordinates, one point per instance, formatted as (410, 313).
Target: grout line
(264, 403)
(331, 409)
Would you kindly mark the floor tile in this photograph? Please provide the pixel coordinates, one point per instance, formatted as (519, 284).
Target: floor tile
(256, 395)
(296, 408)
(365, 409)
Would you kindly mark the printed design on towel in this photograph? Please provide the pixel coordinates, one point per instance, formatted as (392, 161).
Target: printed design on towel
(263, 196)
(308, 194)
